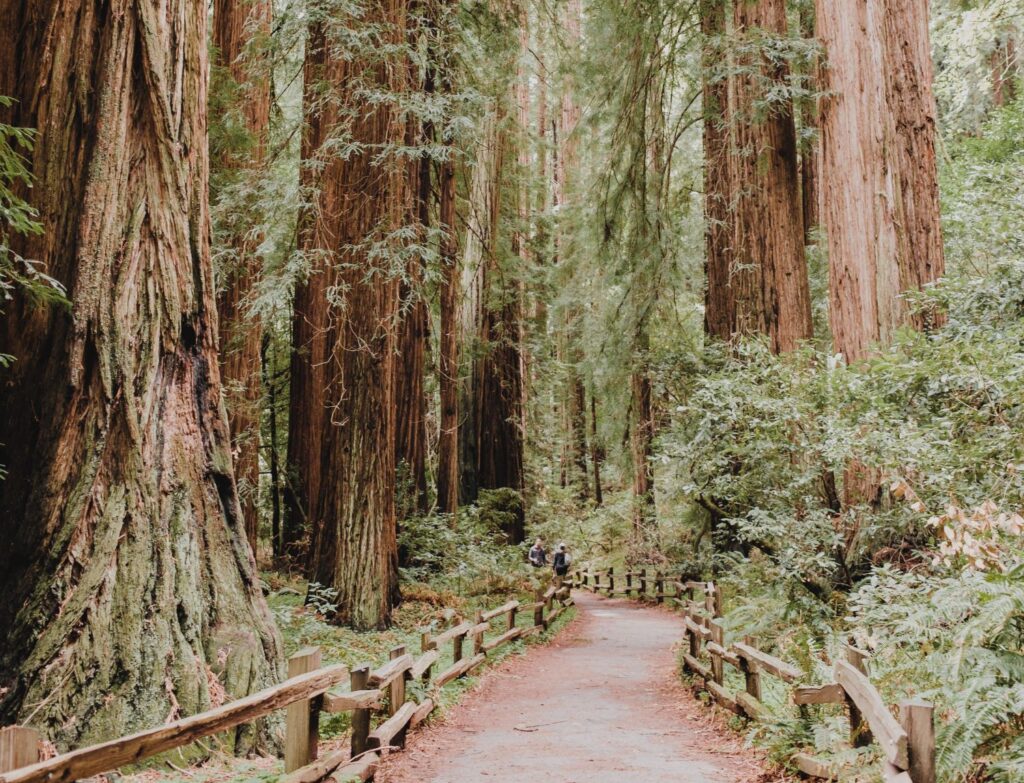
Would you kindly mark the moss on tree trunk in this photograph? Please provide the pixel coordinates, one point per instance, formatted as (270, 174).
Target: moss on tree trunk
(130, 591)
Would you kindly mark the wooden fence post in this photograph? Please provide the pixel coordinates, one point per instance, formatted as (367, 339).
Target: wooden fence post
(426, 645)
(302, 718)
(717, 599)
(538, 608)
(457, 646)
(19, 747)
(396, 691)
(629, 584)
(478, 638)
(718, 637)
(709, 599)
(611, 580)
(917, 719)
(512, 618)
(359, 679)
(860, 734)
(694, 645)
(643, 582)
(751, 676)
(659, 587)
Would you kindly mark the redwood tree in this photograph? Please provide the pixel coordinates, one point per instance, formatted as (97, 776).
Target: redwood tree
(448, 343)
(880, 192)
(771, 294)
(363, 199)
(127, 576)
(236, 26)
(718, 300)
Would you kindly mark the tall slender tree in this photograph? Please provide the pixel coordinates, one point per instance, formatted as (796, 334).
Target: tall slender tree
(306, 401)
(571, 347)
(718, 195)
(128, 578)
(238, 27)
(448, 360)
(410, 396)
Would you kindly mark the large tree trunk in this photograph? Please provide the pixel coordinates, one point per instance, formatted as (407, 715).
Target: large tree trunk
(880, 196)
(127, 577)
(492, 437)
(410, 396)
(718, 232)
(236, 25)
(307, 415)
(363, 199)
(769, 272)
(448, 343)
(908, 90)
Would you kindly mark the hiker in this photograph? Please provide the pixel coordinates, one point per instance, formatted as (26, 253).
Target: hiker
(561, 564)
(538, 557)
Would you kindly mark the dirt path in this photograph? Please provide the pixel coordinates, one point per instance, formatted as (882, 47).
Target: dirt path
(601, 704)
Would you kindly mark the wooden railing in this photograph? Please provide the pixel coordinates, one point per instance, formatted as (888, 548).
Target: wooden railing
(304, 695)
(907, 743)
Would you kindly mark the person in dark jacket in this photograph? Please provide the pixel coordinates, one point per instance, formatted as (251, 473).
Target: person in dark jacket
(560, 564)
(538, 557)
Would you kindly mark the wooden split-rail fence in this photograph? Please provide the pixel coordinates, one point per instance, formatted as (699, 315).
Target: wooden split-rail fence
(306, 694)
(907, 742)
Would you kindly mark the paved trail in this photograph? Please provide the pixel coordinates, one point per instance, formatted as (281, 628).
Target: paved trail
(601, 704)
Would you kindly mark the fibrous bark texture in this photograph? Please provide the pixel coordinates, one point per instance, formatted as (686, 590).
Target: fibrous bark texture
(236, 23)
(769, 272)
(127, 577)
(410, 398)
(880, 194)
(307, 405)
(363, 199)
(448, 361)
(810, 153)
(491, 436)
(718, 232)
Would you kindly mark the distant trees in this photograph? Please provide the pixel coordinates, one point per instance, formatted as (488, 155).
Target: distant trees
(128, 579)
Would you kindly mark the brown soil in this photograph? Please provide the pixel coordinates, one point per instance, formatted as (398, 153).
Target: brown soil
(601, 704)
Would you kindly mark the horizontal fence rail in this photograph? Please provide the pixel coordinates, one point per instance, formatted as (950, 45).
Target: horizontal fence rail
(907, 743)
(304, 695)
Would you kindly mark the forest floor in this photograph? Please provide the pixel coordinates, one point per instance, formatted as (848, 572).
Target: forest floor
(603, 703)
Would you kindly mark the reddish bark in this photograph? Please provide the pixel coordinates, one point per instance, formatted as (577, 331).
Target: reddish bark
(361, 201)
(410, 397)
(127, 576)
(307, 404)
(718, 231)
(880, 195)
(769, 272)
(448, 359)
(235, 25)
(448, 363)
